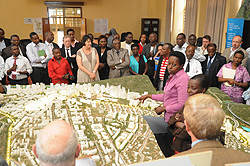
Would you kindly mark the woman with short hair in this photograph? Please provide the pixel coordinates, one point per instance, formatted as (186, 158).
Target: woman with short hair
(88, 62)
(234, 87)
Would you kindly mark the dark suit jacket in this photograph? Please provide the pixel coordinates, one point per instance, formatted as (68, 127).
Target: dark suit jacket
(6, 52)
(218, 62)
(221, 155)
(55, 45)
(151, 62)
(72, 61)
(104, 72)
(7, 42)
(157, 76)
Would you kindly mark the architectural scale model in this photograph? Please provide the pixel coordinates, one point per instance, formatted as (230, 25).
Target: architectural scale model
(107, 119)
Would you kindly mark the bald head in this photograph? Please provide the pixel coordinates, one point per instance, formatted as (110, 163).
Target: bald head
(56, 135)
(57, 144)
(204, 116)
(190, 52)
(236, 42)
(49, 36)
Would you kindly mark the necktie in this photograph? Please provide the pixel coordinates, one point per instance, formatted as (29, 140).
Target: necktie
(67, 50)
(208, 65)
(188, 67)
(117, 52)
(13, 75)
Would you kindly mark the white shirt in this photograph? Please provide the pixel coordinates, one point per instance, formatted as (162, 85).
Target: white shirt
(203, 52)
(22, 63)
(50, 46)
(198, 55)
(194, 67)
(2, 46)
(1, 68)
(182, 49)
(128, 47)
(32, 53)
(68, 51)
(232, 52)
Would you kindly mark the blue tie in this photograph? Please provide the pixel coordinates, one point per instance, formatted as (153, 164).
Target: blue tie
(208, 66)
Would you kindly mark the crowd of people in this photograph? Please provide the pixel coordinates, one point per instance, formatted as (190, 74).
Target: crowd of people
(87, 61)
(181, 72)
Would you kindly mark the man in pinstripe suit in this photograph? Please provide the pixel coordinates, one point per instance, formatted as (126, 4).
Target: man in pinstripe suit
(203, 119)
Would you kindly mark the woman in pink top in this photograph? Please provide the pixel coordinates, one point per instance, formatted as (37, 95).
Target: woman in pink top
(240, 80)
(175, 90)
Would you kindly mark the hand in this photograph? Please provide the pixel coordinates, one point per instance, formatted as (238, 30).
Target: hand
(143, 98)
(231, 81)
(123, 60)
(179, 124)
(178, 116)
(38, 62)
(151, 54)
(101, 65)
(45, 56)
(73, 56)
(14, 67)
(113, 68)
(203, 48)
(71, 78)
(66, 76)
(160, 109)
(92, 76)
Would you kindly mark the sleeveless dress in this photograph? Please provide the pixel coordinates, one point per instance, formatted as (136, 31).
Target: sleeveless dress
(89, 62)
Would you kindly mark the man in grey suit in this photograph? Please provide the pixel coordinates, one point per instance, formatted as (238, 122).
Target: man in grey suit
(229, 52)
(118, 60)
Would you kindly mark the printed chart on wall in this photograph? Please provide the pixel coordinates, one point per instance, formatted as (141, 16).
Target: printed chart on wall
(101, 25)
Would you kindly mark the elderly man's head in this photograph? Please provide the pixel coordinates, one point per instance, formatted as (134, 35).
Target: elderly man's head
(57, 144)
(203, 117)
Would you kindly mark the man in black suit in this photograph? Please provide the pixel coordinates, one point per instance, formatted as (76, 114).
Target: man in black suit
(160, 79)
(68, 52)
(49, 37)
(3, 41)
(149, 50)
(14, 39)
(211, 66)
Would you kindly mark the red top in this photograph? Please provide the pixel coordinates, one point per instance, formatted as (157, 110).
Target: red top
(163, 68)
(140, 48)
(56, 70)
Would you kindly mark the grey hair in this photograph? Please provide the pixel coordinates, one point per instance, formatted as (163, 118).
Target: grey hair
(64, 157)
(64, 37)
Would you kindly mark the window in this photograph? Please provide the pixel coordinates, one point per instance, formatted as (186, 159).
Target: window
(63, 18)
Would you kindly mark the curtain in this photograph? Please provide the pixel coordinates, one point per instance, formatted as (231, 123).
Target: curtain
(214, 21)
(168, 21)
(190, 17)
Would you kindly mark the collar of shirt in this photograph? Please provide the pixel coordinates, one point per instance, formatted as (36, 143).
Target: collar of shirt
(178, 73)
(34, 45)
(183, 47)
(47, 43)
(210, 58)
(142, 44)
(197, 141)
(18, 57)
